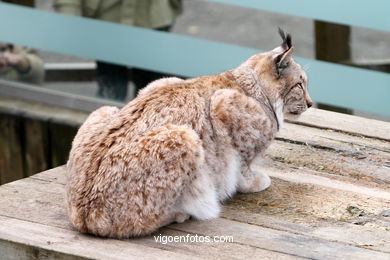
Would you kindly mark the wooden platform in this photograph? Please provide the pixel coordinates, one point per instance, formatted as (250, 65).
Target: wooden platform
(330, 199)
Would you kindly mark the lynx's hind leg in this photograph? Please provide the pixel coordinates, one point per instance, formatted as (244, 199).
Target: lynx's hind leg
(160, 166)
(101, 114)
(94, 123)
(200, 199)
(91, 131)
(89, 134)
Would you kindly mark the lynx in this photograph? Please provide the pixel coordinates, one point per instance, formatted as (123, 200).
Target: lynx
(181, 147)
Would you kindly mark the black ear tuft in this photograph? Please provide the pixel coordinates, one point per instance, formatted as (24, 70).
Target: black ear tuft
(286, 39)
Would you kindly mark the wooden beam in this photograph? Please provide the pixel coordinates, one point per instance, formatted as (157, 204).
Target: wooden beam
(332, 43)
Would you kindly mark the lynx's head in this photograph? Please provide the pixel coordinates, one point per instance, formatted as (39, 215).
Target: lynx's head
(293, 89)
(275, 79)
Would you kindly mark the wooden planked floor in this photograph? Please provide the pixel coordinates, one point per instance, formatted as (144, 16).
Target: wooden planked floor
(329, 199)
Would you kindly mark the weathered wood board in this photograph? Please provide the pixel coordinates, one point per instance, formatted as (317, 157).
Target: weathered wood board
(329, 199)
(34, 137)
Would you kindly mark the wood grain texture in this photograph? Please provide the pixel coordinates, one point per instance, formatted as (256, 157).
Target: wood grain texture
(345, 123)
(36, 155)
(31, 139)
(11, 149)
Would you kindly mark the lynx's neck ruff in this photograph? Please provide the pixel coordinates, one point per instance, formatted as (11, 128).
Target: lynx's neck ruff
(250, 83)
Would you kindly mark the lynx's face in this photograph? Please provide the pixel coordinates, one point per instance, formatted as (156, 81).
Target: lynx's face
(292, 78)
(287, 77)
(276, 80)
(295, 94)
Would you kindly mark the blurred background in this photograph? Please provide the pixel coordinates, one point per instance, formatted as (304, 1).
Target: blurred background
(38, 119)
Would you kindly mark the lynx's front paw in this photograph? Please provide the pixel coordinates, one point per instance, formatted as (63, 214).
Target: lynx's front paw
(175, 218)
(181, 217)
(254, 182)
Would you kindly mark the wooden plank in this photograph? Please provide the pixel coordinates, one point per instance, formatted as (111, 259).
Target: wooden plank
(364, 160)
(307, 197)
(34, 197)
(11, 250)
(61, 137)
(307, 176)
(211, 250)
(332, 139)
(345, 123)
(36, 136)
(55, 175)
(279, 241)
(39, 111)
(11, 148)
(45, 241)
(75, 104)
(368, 170)
(66, 243)
(348, 233)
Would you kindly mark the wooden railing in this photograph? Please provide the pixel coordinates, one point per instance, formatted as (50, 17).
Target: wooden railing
(189, 57)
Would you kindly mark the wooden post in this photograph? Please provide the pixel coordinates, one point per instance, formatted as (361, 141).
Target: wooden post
(61, 137)
(11, 148)
(332, 43)
(37, 157)
(28, 3)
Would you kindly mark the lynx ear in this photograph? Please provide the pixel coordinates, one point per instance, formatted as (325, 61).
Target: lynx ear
(282, 60)
(286, 40)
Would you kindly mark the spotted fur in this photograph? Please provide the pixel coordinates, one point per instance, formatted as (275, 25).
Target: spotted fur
(181, 147)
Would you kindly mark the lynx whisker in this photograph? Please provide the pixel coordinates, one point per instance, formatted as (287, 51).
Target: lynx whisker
(306, 67)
